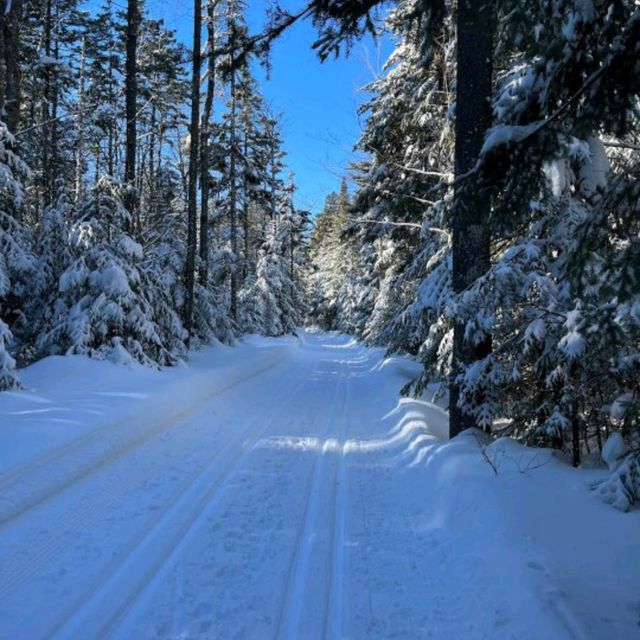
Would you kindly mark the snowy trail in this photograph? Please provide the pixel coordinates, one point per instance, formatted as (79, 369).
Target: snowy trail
(292, 496)
(30, 484)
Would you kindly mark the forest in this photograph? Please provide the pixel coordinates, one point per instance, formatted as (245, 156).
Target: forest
(493, 233)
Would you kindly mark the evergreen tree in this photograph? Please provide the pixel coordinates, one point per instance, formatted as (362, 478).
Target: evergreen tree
(105, 307)
(18, 266)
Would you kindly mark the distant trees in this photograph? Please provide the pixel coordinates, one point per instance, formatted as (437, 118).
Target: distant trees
(331, 279)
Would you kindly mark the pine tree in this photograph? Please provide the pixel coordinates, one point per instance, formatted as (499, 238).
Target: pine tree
(54, 257)
(564, 200)
(470, 248)
(105, 307)
(163, 90)
(18, 266)
(205, 179)
(241, 103)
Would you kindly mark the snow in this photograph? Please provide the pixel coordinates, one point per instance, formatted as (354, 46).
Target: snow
(112, 280)
(573, 342)
(130, 247)
(595, 169)
(506, 134)
(614, 450)
(535, 331)
(281, 489)
(559, 175)
(620, 406)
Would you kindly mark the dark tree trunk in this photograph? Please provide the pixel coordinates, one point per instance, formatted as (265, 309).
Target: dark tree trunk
(245, 213)
(204, 134)
(192, 206)
(151, 175)
(111, 137)
(131, 99)
(575, 437)
(46, 159)
(10, 66)
(470, 231)
(80, 163)
(56, 160)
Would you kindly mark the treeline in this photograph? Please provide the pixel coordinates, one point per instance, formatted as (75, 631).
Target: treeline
(495, 228)
(144, 203)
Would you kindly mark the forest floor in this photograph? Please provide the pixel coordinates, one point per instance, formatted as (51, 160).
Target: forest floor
(280, 489)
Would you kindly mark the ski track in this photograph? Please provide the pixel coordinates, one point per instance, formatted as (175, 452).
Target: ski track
(332, 623)
(279, 505)
(120, 444)
(105, 498)
(293, 601)
(115, 591)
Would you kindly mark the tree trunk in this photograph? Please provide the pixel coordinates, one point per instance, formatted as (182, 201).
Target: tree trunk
(45, 110)
(470, 231)
(245, 213)
(80, 127)
(192, 206)
(233, 196)
(10, 66)
(54, 142)
(151, 159)
(575, 436)
(204, 153)
(112, 102)
(131, 99)
(274, 175)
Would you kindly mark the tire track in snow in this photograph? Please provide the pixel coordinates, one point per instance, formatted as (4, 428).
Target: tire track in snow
(291, 608)
(20, 480)
(113, 592)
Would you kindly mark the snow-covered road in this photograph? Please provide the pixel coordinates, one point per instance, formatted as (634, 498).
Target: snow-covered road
(282, 498)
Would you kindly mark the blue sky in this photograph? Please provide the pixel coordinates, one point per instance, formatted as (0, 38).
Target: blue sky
(318, 102)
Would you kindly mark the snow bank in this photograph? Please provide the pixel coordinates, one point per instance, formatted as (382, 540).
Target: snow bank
(507, 541)
(563, 563)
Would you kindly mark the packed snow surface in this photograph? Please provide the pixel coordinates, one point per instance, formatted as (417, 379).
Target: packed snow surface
(280, 489)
